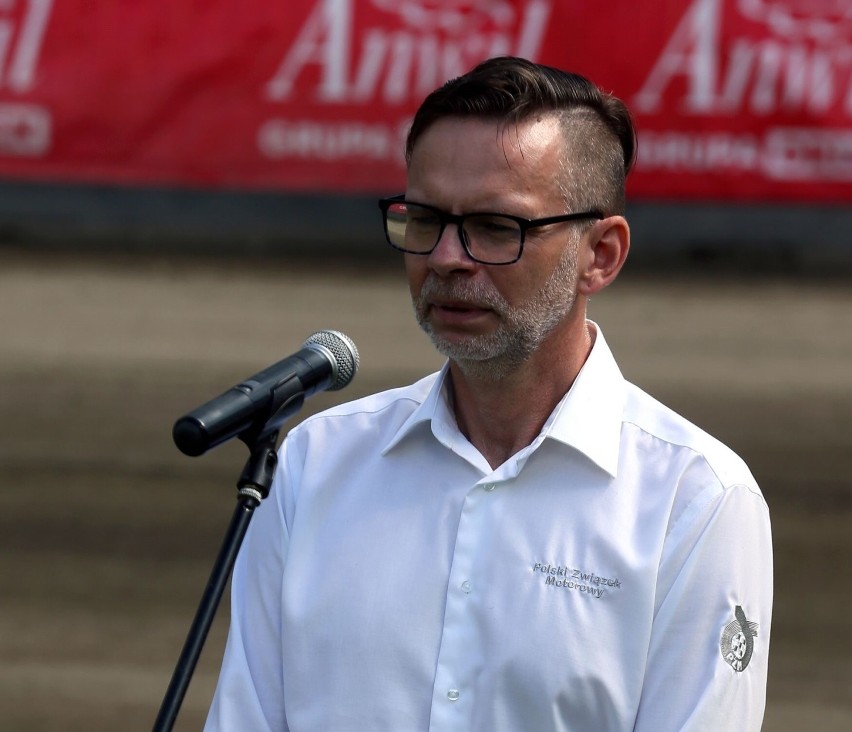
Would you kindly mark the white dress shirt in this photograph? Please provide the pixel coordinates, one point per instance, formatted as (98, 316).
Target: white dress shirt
(616, 574)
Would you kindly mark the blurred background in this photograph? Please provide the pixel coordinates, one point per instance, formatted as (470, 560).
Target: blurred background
(187, 191)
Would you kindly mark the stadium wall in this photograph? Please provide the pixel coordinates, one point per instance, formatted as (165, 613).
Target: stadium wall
(111, 220)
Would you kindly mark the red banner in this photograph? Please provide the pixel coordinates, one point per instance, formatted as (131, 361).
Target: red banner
(734, 99)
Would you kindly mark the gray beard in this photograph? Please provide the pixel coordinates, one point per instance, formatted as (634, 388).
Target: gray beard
(496, 355)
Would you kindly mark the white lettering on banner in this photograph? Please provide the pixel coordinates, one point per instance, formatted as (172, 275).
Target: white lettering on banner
(691, 51)
(782, 153)
(817, 19)
(700, 152)
(323, 41)
(19, 52)
(809, 155)
(401, 65)
(804, 69)
(309, 139)
(25, 129)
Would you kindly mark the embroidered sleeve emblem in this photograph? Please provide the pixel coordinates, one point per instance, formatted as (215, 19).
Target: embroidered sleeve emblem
(737, 643)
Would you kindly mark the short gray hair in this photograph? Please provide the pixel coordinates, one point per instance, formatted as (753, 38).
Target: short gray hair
(599, 133)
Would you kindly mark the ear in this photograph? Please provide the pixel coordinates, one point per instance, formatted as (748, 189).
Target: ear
(604, 249)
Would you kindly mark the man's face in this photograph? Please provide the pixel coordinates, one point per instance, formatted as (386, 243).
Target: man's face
(490, 318)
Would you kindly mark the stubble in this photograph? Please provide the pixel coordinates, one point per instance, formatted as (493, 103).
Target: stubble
(521, 328)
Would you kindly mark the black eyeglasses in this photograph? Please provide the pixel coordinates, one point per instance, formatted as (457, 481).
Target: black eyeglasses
(488, 238)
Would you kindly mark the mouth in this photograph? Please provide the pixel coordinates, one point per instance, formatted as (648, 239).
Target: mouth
(458, 313)
(463, 307)
(457, 306)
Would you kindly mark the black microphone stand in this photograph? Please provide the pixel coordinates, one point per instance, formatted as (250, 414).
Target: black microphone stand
(252, 487)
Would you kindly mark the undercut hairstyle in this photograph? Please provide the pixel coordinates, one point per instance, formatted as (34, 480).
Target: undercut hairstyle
(600, 139)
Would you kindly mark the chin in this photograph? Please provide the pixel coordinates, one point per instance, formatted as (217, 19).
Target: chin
(490, 356)
(491, 369)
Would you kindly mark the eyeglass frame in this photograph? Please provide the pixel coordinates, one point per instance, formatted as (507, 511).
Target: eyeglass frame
(445, 218)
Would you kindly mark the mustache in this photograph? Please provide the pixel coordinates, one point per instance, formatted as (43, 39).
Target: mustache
(474, 294)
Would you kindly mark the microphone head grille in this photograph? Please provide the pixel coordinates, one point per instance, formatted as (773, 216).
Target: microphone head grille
(346, 358)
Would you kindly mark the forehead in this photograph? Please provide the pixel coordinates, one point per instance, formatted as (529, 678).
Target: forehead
(458, 155)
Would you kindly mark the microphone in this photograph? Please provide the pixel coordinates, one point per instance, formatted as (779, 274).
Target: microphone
(328, 360)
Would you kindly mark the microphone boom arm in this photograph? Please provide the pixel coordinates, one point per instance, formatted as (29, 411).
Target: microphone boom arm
(254, 411)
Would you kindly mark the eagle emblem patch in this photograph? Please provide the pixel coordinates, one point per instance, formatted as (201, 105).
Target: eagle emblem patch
(737, 643)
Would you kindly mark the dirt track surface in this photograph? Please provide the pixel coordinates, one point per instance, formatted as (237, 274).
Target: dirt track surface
(108, 533)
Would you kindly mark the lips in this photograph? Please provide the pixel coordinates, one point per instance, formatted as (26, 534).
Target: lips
(457, 314)
(456, 306)
(456, 303)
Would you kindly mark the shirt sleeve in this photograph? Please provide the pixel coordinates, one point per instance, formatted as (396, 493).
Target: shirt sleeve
(707, 660)
(249, 694)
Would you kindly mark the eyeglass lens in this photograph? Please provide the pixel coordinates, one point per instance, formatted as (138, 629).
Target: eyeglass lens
(490, 238)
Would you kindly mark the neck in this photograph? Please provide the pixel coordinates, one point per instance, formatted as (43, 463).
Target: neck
(502, 416)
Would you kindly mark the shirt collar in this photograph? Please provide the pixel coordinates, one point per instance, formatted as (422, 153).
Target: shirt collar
(434, 408)
(588, 418)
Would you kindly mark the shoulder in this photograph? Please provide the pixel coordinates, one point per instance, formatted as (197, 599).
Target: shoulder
(387, 409)
(672, 437)
(711, 497)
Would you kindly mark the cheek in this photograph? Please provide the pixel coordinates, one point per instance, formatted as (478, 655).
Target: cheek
(416, 271)
(516, 285)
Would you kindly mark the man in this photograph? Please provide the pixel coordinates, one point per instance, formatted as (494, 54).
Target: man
(523, 542)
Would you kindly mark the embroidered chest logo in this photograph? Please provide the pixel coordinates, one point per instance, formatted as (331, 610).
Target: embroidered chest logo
(570, 578)
(737, 643)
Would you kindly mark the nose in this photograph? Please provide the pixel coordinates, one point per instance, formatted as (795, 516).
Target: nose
(449, 254)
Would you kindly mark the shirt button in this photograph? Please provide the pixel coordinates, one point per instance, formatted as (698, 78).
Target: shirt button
(465, 586)
(489, 486)
(453, 695)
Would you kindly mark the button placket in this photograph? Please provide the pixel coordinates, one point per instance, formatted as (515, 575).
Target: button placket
(454, 672)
